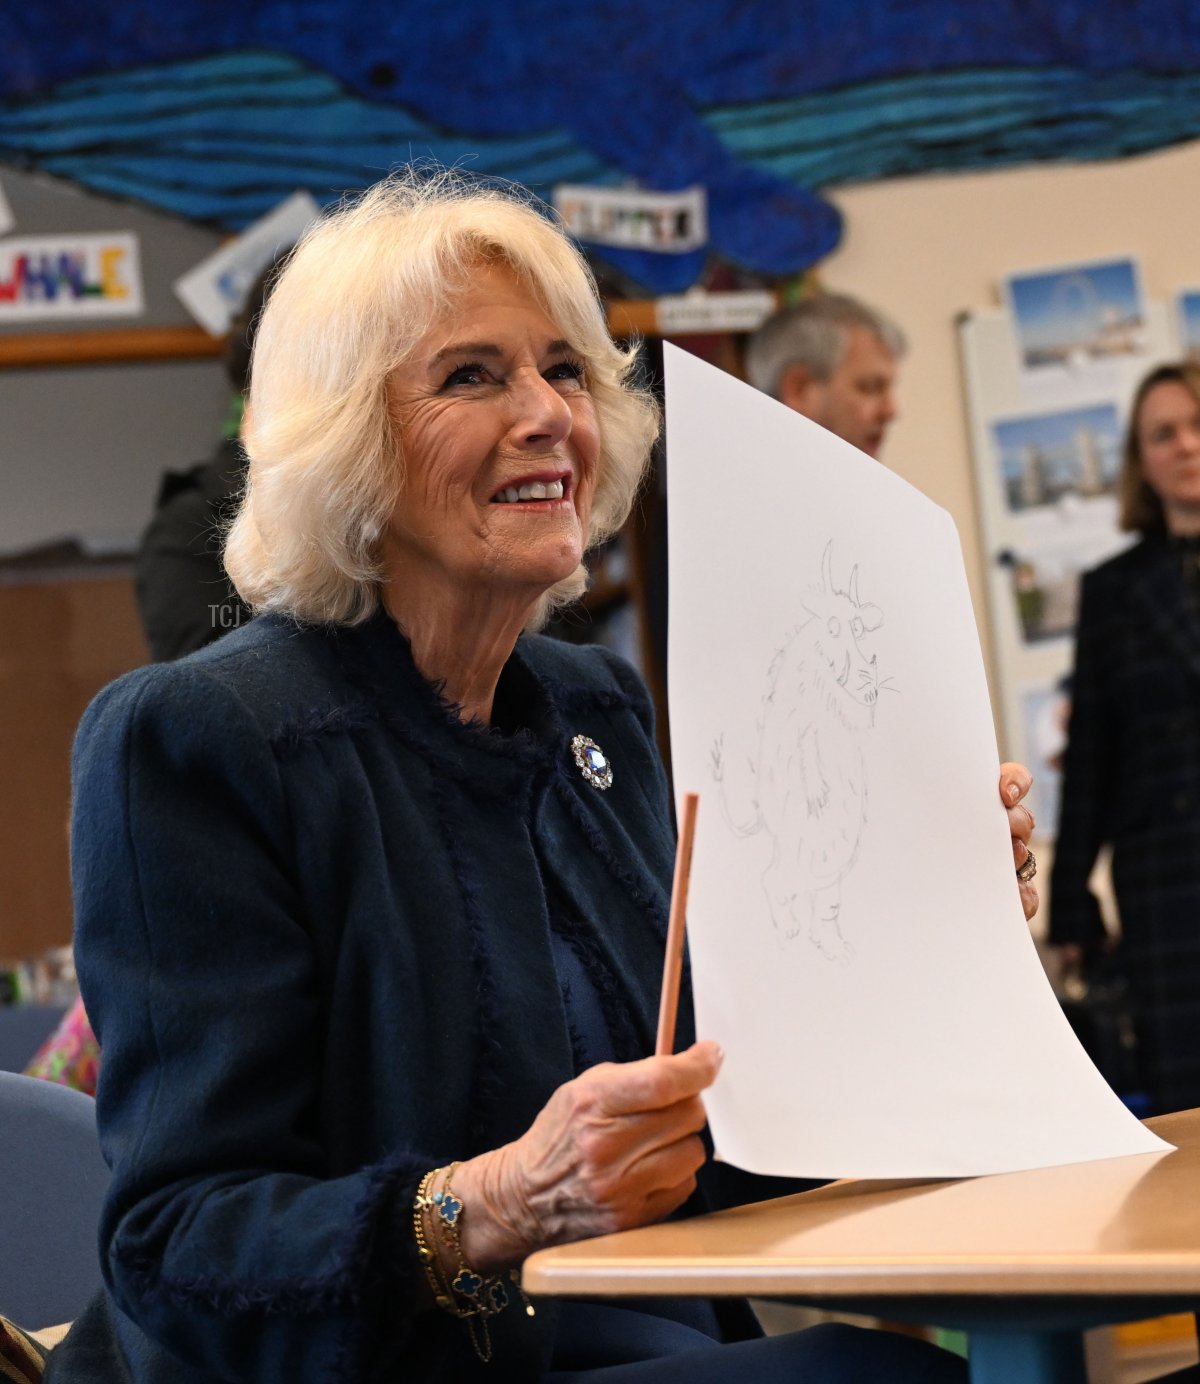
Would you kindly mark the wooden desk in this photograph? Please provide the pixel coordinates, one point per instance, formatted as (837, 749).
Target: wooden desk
(1023, 1262)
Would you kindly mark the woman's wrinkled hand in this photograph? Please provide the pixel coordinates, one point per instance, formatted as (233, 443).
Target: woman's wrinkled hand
(1015, 783)
(619, 1146)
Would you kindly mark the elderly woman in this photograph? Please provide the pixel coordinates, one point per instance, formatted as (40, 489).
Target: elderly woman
(371, 893)
(1131, 772)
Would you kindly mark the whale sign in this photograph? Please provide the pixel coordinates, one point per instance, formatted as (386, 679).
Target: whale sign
(65, 275)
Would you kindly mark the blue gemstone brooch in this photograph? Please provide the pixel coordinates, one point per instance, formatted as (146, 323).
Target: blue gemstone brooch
(593, 762)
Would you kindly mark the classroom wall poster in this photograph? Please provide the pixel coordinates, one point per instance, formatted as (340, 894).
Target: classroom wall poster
(669, 223)
(64, 275)
(214, 290)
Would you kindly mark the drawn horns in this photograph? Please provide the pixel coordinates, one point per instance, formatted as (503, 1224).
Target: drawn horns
(827, 575)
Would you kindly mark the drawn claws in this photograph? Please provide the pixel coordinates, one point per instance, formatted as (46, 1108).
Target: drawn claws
(833, 948)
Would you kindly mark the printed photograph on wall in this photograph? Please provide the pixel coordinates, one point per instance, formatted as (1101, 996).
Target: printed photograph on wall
(1077, 315)
(1187, 304)
(1045, 591)
(1058, 476)
(1070, 457)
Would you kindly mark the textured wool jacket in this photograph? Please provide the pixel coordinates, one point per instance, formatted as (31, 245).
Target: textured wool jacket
(313, 937)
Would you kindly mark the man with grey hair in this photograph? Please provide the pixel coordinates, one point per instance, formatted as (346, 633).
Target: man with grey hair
(834, 360)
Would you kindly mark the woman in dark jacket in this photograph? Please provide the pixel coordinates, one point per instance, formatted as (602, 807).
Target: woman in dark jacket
(371, 893)
(1131, 774)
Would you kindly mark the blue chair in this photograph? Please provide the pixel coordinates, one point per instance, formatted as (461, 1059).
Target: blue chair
(52, 1184)
(23, 1029)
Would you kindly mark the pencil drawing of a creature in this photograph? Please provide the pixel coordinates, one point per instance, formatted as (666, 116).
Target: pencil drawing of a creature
(805, 786)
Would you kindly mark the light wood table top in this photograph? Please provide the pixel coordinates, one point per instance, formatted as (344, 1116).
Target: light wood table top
(1120, 1227)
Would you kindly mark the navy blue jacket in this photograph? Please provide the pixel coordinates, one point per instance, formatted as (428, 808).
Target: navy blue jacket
(1131, 779)
(312, 936)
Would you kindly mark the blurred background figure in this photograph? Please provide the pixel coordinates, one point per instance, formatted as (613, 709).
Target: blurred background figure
(1131, 777)
(834, 360)
(184, 597)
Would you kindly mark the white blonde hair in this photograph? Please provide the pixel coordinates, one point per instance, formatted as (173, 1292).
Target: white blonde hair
(351, 304)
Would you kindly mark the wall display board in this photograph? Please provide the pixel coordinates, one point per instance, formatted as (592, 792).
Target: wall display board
(1046, 444)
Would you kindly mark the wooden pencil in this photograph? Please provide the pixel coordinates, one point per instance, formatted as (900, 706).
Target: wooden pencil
(676, 928)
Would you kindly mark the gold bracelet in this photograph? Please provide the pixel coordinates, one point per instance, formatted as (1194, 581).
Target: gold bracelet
(470, 1296)
(493, 1295)
(485, 1295)
(428, 1256)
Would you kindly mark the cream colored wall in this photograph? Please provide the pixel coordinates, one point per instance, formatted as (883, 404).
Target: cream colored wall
(926, 249)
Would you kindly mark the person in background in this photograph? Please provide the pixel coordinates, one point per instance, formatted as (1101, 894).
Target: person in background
(1131, 770)
(834, 360)
(184, 597)
(371, 894)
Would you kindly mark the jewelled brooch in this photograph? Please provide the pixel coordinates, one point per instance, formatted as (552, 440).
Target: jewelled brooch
(592, 761)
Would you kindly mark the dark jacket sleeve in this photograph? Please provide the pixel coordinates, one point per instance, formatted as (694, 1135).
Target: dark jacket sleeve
(225, 1237)
(181, 586)
(1088, 784)
(184, 596)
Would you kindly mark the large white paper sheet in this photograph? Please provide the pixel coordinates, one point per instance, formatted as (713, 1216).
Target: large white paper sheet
(857, 941)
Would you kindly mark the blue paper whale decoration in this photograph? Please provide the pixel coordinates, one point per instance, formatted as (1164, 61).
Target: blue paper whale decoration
(217, 110)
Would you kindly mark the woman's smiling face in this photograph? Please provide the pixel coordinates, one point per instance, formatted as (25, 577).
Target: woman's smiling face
(501, 445)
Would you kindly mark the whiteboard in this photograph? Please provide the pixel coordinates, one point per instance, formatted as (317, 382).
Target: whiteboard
(1049, 521)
